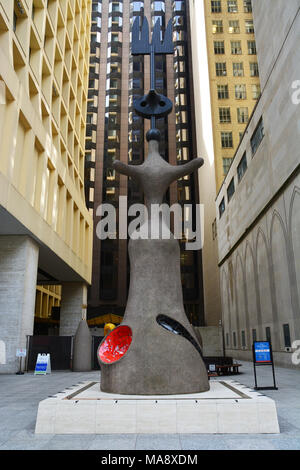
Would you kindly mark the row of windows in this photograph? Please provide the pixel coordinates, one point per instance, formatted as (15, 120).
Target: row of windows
(225, 115)
(233, 27)
(236, 47)
(268, 337)
(232, 6)
(226, 138)
(240, 91)
(237, 69)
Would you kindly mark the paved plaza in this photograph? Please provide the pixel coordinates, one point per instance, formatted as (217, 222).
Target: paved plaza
(21, 394)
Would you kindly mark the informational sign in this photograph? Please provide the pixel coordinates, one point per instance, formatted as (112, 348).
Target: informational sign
(43, 365)
(262, 351)
(262, 356)
(212, 367)
(21, 352)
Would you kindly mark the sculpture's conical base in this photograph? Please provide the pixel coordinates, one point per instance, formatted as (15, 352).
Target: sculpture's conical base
(158, 361)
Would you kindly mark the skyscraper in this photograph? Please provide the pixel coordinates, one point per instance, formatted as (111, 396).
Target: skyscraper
(121, 135)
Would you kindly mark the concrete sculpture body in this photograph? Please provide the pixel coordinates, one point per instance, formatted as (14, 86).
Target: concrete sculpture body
(155, 350)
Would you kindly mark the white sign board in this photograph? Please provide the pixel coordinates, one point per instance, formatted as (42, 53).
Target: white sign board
(43, 365)
(21, 352)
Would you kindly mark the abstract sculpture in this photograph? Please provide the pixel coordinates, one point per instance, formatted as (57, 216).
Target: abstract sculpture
(155, 350)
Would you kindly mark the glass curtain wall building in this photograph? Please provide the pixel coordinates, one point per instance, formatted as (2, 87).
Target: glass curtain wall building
(121, 133)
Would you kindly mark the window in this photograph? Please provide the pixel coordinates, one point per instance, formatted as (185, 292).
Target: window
(221, 69)
(113, 83)
(226, 140)
(232, 6)
(242, 115)
(230, 190)
(234, 27)
(268, 334)
(217, 26)
(224, 115)
(219, 47)
(96, 7)
(238, 69)
(234, 339)
(242, 167)
(227, 339)
(255, 91)
(247, 6)
(254, 69)
(178, 5)
(226, 164)
(137, 6)
(287, 335)
(236, 47)
(159, 6)
(222, 92)
(257, 136)
(115, 6)
(214, 229)
(216, 6)
(251, 47)
(221, 207)
(243, 339)
(254, 335)
(240, 92)
(249, 26)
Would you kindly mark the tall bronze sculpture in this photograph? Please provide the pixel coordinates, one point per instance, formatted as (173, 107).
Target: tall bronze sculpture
(155, 350)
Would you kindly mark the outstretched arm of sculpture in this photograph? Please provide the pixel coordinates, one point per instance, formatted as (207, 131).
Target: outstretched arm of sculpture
(182, 170)
(128, 170)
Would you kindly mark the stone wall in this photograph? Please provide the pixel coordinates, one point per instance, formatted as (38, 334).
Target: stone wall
(258, 232)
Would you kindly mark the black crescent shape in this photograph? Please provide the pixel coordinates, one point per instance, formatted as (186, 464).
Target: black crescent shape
(175, 327)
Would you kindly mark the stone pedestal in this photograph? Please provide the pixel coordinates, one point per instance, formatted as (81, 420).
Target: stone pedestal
(227, 408)
(18, 277)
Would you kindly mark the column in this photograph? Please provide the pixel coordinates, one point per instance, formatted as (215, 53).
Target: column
(18, 276)
(73, 307)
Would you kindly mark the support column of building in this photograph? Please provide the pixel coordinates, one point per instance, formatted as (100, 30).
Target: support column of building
(18, 277)
(73, 307)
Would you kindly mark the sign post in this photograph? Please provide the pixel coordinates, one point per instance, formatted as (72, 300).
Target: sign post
(262, 356)
(20, 353)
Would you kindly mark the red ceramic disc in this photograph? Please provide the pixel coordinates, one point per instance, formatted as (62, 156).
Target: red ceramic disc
(115, 344)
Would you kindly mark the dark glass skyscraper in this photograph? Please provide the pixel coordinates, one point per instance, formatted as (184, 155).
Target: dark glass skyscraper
(120, 134)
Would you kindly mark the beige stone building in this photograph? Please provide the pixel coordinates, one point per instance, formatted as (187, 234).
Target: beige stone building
(259, 202)
(234, 75)
(45, 227)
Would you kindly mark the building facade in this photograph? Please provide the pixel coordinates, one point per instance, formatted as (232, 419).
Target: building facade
(259, 205)
(45, 227)
(121, 135)
(234, 75)
(206, 176)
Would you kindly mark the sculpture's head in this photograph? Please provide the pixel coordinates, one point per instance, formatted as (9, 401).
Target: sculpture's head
(153, 134)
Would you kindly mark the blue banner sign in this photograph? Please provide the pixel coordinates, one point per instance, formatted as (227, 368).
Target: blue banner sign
(262, 351)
